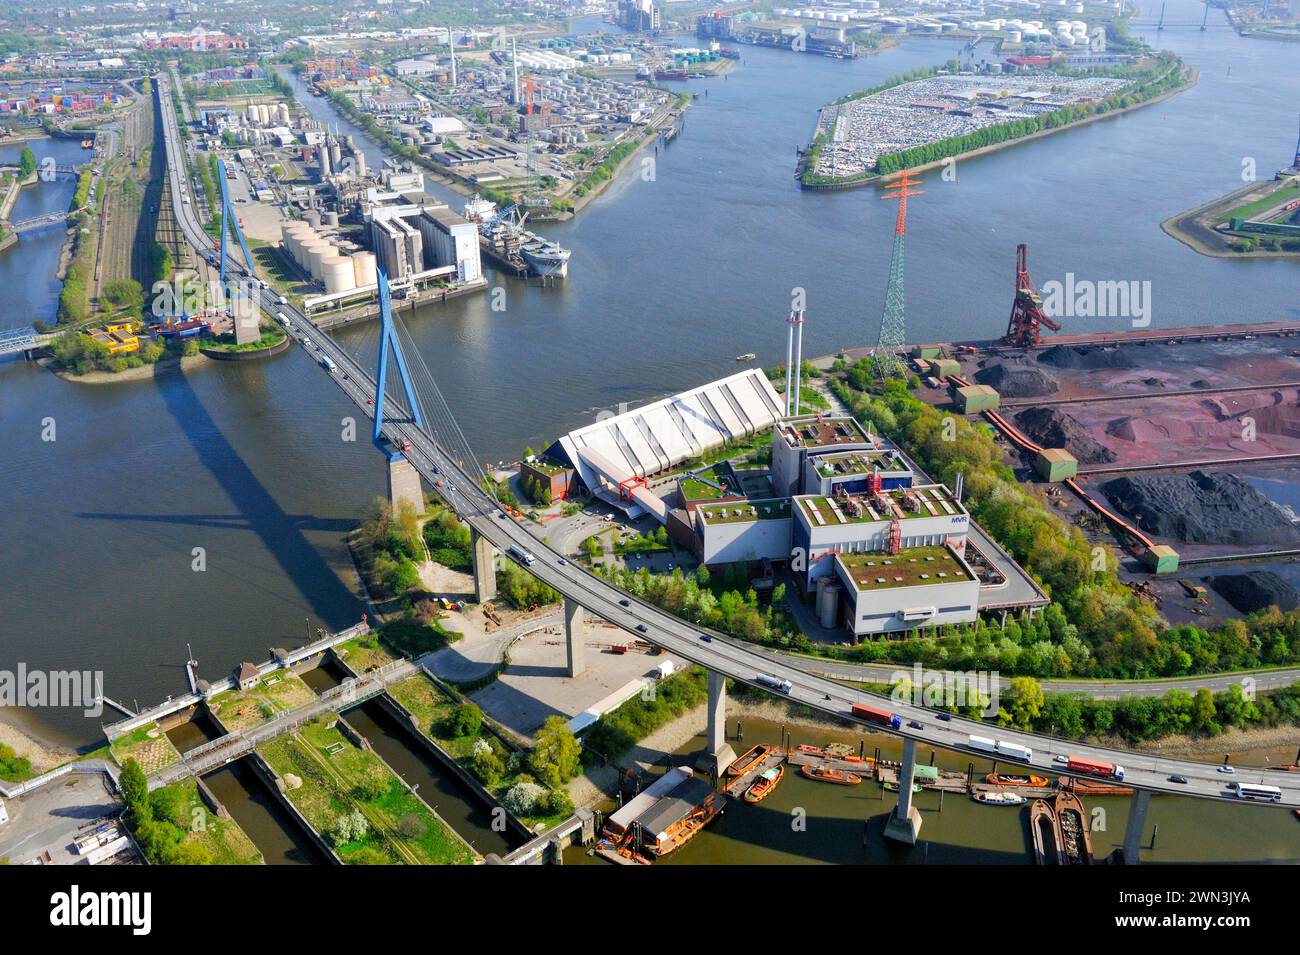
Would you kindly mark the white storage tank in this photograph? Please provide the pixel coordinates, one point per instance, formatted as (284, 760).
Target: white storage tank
(301, 235)
(314, 254)
(363, 269)
(337, 274)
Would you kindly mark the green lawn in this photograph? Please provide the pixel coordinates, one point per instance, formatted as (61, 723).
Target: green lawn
(148, 746)
(338, 777)
(364, 653)
(225, 842)
(274, 694)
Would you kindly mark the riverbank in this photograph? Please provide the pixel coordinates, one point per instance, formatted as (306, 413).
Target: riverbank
(1190, 76)
(166, 366)
(42, 754)
(1195, 228)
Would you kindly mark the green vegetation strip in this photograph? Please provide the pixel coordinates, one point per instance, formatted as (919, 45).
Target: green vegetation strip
(352, 798)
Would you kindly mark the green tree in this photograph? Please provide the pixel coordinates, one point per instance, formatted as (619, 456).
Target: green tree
(555, 754)
(465, 720)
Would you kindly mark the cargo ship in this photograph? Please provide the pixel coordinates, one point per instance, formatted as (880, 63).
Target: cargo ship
(502, 236)
(681, 75)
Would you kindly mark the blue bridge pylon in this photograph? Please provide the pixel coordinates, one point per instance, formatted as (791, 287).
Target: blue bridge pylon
(230, 221)
(387, 337)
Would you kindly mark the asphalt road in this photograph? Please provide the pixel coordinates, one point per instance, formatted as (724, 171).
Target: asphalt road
(736, 660)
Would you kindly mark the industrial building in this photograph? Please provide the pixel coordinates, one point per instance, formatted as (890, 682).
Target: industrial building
(614, 457)
(413, 235)
(919, 586)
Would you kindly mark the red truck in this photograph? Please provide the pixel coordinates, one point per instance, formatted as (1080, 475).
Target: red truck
(883, 717)
(1094, 767)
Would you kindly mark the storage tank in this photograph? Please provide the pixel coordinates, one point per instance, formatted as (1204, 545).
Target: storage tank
(337, 274)
(313, 218)
(330, 219)
(296, 235)
(283, 112)
(336, 156)
(251, 113)
(363, 269)
(314, 254)
(828, 602)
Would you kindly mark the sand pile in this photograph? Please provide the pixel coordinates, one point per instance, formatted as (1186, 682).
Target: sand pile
(1255, 591)
(1084, 357)
(1015, 379)
(1201, 508)
(1053, 428)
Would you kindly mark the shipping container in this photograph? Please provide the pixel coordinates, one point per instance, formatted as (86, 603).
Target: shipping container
(883, 717)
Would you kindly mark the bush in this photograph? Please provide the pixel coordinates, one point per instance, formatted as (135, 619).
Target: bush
(465, 720)
(522, 798)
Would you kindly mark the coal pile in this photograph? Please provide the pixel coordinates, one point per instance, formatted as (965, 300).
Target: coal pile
(1256, 590)
(1017, 380)
(1053, 428)
(1083, 357)
(1201, 508)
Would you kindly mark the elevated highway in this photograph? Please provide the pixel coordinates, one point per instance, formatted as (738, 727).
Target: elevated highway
(717, 653)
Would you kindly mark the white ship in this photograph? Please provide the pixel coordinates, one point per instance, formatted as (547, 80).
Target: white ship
(502, 234)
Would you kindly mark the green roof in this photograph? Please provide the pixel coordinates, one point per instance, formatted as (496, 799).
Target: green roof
(935, 494)
(743, 512)
(915, 566)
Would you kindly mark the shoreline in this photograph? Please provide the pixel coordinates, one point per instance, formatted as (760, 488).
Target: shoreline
(1185, 226)
(598, 783)
(43, 753)
(167, 366)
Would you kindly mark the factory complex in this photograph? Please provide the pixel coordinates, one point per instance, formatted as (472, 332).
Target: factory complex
(873, 544)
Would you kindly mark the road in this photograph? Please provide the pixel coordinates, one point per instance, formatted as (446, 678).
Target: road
(738, 661)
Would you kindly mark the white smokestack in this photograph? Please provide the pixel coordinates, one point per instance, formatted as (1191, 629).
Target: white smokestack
(798, 360)
(451, 47)
(789, 356)
(514, 63)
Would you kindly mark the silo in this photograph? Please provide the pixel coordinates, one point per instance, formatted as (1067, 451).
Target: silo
(363, 269)
(315, 254)
(324, 156)
(360, 158)
(283, 111)
(828, 602)
(301, 235)
(313, 218)
(251, 113)
(330, 219)
(337, 274)
(336, 156)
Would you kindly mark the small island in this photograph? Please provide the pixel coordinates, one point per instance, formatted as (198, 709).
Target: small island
(923, 119)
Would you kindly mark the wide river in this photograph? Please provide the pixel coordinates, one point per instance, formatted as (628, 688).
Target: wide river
(671, 277)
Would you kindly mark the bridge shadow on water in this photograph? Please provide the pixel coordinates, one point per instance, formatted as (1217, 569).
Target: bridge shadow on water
(281, 534)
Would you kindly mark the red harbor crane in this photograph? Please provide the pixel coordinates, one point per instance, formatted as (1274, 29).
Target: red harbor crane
(1027, 315)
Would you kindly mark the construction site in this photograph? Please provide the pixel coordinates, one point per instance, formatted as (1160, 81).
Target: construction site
(1180, 445)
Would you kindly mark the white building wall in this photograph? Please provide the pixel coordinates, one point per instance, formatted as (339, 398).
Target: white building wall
(754, 540)
(880, 611)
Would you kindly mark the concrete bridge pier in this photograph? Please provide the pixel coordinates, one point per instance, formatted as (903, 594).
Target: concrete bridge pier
(404, 485)
(483, 555)
(1137, 821)
(904, 823)
(718, 754)
(573, 633)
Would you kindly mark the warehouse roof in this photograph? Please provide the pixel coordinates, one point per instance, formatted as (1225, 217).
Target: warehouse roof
(665, 433)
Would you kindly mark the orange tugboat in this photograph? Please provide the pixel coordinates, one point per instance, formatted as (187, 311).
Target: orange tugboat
(763, 786)
(749, 760)
(821, 774)
(1032, 780)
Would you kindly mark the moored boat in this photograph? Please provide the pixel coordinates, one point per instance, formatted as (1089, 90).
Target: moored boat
(749, 759)
(748, 356)
(999, 799)
(890, 786)
(1032, 780)
(822, 774)
(763, 786)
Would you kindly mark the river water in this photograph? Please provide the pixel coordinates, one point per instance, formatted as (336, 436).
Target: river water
(240, 468)
(805, 822)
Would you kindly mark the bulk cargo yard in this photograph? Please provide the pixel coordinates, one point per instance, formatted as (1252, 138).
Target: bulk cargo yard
(1182, 445)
